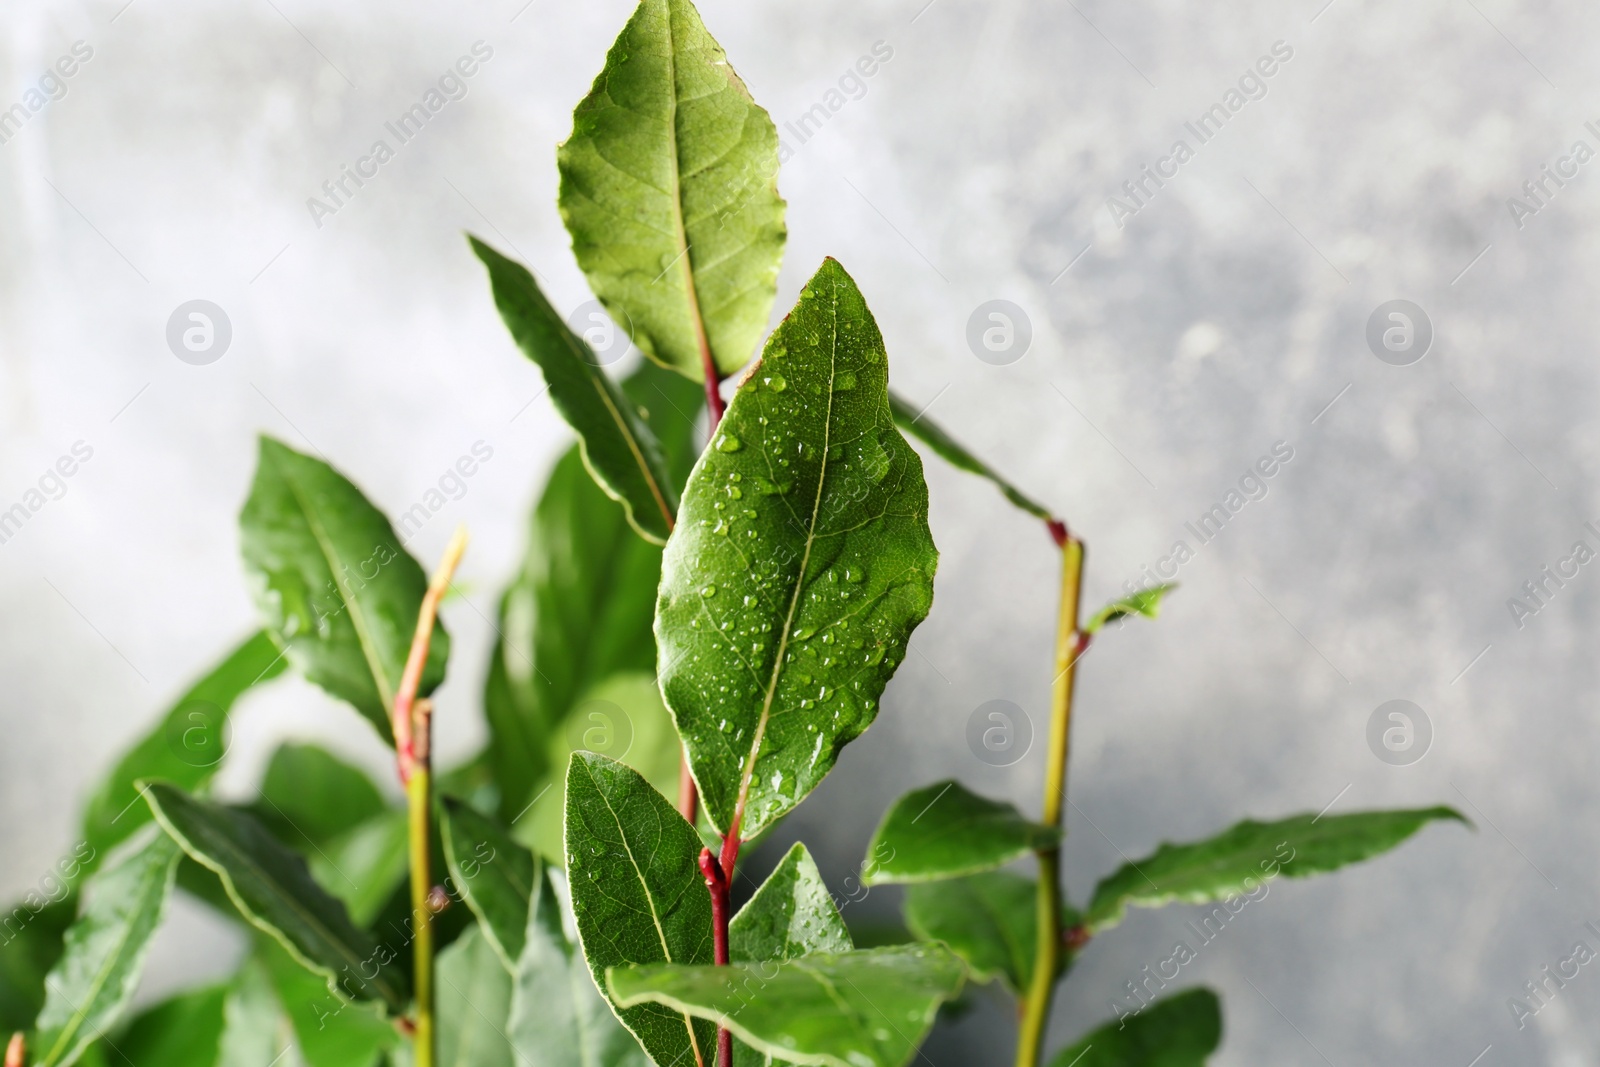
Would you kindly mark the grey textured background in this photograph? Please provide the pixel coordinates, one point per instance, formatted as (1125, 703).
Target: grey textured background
(1222, 318)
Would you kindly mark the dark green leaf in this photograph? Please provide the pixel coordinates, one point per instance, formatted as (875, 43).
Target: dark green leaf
(617, 445)
(801, 563)
(868, 1008)
(669, 189)
(333, 583)
(583, 606)
(1182, 1030)
(945, 831)
(1146, 602)
(95, 977)
(637, 893)
(1242, 859)
(913, 421)
(330, 1030)
(557, 1015)
(30, 944)
(474, 1002)
(791, 915)
(271, 886)
(185, 748)
(309, 796)
(990, 920)
(366, 864)
(184, 1031)
(494, 875)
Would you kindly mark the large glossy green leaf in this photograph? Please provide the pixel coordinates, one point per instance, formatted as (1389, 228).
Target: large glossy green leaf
(332, 582)
(271, 886)
(95, 977)
(801, 563)
(792, 914)
(183, 1031)
(309, 796)
(637, 893)
(31, 934)
(557, 1015)
(915, 422)
(1241, 859)
(669, 189)
(1182, 1030)
(990, 920)
(945, 831)
(495, 876)
(474, 1002)
(184, 748)
(330, 1030)
(366, 864)
(617, 445)
(869, 1008)
(582, 608)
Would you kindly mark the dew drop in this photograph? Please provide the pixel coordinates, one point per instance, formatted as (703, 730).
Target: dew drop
(709, 590)
(729, 443)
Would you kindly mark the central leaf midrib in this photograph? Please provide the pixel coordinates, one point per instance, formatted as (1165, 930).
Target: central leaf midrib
(696, 321)
(800, 578)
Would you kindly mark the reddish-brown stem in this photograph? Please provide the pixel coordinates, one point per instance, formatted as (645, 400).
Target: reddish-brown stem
(717, 883)
(688, 793)
(1058, 532)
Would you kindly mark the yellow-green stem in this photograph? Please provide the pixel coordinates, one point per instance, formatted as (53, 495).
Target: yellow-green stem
(419, 796)
(1069, 646)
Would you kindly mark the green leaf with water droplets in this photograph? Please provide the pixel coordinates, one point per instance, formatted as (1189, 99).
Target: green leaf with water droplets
(1182, 1030)
(637, 893)
(869, 1008)
(332, 582)
(1146, 602)
(1241, 860)
(801, 563)
(669, 190)
(104, 952)
(791, 915)
(618, 448)
(945, 831)
(915, 421)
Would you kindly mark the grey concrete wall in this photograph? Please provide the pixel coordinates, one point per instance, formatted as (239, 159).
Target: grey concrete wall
(1172, 345)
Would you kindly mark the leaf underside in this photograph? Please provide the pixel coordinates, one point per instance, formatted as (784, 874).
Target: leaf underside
(801, 563)
(669, 190)
(1182, 1030)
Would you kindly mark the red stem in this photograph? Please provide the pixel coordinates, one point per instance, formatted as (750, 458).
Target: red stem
(717, 883)
(1058, 532)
